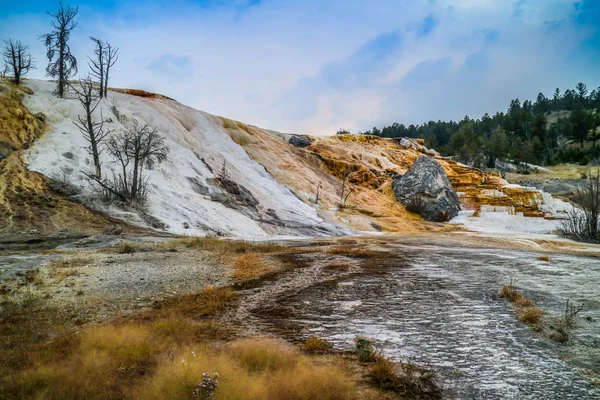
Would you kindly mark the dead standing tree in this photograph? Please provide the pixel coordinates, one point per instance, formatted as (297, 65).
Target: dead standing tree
(92, 130)
(105, 57)
(135, 149)
(111, 57)
(343, 195)
(61, 63)
(96, 64)
(18, 58)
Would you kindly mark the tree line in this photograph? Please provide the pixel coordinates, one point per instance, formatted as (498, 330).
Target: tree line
(136, 148)
(523, 134)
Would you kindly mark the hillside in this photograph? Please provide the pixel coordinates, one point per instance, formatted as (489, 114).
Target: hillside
(271, 185)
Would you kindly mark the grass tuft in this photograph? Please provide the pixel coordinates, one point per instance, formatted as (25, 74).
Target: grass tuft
(531, 315)
(315, 345)
(248, 266)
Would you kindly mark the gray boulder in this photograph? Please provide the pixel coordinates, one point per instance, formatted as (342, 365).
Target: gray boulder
(300, 141)
(426, 190)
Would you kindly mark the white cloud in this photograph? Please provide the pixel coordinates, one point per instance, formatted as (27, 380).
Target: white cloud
(277, 64)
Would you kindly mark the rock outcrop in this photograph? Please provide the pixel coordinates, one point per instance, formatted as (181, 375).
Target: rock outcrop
(300, 141)
(426, 190)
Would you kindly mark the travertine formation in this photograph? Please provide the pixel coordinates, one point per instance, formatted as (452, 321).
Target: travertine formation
(280, 184)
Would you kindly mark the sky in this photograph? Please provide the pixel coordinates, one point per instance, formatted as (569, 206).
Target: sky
(315, 66)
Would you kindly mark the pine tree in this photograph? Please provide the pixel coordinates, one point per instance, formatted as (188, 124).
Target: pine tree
(581, 124)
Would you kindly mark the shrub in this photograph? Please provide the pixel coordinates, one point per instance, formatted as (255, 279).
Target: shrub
(365, 348)
(582, 225)
(61, 185)
(315, 345)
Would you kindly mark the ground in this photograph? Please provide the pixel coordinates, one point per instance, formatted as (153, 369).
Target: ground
(182, 294)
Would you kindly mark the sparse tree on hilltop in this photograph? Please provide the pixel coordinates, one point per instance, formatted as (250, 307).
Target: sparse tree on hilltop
(18, 58)
(92, 130)
(62, 64)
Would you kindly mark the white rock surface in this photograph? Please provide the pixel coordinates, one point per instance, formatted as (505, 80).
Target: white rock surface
(197, 143)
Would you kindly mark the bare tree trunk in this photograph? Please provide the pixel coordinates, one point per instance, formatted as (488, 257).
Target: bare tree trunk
(92, 131)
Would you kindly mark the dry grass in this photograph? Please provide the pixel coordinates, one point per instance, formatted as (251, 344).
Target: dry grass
(315, 345)
(74, 262)
(132, 361)
(507, 291)
(248, 369)
(383, 374)
(209, 302)
(222, 246)
(248, 266)
(60, 274)
(127, 248)
(544, 258)
(350, 251)
(33, 276)
(528, 312)
(341, 266)
(531, 315)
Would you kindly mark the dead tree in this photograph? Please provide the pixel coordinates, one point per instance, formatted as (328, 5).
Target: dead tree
(317, 197)
(3, 71)
(61, 63)
(105, 57)
(96, 64)
(111, 57)
(18, 58)
(343, 195)
(135, 149)
(92, 130)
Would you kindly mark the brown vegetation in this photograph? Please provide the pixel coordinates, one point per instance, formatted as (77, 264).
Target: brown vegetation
(224, 246)
(163, 353)
(248, 266)
(141, 93)
(315, 345)
(530, 315)
(528, 312)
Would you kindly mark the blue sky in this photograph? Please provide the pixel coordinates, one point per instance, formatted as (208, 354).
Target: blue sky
(315, 66)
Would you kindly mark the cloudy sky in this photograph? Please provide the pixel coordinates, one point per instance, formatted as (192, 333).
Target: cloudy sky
(316, 66)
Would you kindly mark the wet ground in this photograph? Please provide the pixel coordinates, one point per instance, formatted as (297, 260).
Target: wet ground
(439, 307)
